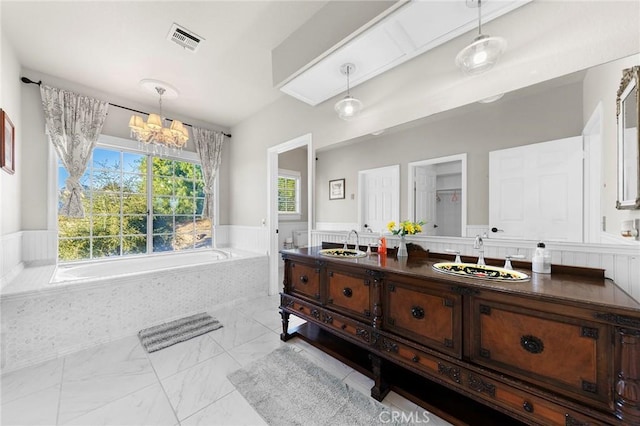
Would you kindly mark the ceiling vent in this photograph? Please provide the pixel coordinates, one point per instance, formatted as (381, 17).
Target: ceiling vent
(184, 38)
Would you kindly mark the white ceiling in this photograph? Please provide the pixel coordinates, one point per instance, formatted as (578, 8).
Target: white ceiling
(112, 45)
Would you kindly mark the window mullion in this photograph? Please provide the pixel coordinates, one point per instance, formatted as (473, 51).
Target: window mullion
(149, 204)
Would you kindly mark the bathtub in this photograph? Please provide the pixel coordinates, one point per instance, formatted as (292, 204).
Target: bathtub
(114, 268)
(84, 304)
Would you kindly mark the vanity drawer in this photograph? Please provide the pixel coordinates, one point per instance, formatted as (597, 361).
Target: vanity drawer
(419, 360)
(568, 355)
(346, 327)
(534, 408)
(350, 293)
(430, 316)
(305, 280)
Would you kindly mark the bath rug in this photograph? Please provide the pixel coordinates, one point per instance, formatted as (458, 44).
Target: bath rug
(167, 334)
(285, 388)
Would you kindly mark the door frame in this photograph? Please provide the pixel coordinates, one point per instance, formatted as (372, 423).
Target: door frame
(433, 161)
(272, 200)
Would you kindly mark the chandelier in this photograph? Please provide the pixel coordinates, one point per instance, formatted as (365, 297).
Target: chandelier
(153, 131)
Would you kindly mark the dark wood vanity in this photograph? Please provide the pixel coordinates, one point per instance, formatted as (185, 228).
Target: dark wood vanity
(557, 349)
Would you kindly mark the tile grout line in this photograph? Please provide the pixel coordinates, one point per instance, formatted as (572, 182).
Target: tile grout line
(64, 362)
(164, 391)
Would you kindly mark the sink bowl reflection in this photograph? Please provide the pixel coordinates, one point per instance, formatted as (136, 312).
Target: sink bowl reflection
(343, 253)
(480, 271)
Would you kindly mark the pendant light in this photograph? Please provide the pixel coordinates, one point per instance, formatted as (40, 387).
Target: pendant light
(348, 107)
(484, 52)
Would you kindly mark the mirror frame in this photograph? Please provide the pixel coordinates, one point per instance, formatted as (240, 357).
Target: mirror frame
(628, 86)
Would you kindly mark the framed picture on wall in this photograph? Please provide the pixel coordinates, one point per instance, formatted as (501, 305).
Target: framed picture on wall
(7, 144)
(336, 189)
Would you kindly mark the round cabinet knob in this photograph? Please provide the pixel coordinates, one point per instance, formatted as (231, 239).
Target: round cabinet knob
(417, 312)
(304, 279)
(415, 358)
(528, 407)
(347, 292)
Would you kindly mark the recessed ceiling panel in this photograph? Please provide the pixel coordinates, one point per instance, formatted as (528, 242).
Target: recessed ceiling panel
(408, 32)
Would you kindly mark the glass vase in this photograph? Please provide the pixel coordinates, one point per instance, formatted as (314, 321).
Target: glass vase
(402, 250)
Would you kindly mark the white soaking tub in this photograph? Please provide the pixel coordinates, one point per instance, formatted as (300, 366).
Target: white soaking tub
(111, 268)
(89, 303)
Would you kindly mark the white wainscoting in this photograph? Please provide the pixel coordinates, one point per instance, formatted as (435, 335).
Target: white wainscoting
(620, 262)
(26, 248)
(39, 246)
(11, 258)
(249, 238)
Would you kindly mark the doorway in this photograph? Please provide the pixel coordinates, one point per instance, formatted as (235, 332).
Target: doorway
(273, 223)
(438, 195)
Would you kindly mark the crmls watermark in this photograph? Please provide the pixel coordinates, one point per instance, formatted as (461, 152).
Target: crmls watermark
(402, 417)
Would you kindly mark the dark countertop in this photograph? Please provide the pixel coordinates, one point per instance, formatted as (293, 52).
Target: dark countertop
(592, 290)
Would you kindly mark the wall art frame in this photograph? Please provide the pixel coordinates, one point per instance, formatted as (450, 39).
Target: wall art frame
(7, 143)
(336, 189)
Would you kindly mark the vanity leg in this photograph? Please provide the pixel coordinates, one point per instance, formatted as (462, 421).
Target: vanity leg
(284, 336)
(627, 389)
(380, 388)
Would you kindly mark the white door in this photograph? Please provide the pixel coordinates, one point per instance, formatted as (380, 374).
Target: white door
(535, 191)
(425, 180)
(379, 195)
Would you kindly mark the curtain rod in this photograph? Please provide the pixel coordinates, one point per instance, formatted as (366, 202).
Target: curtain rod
(38, 83)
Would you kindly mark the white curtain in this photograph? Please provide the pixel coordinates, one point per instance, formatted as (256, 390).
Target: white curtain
(209, 145)
(73, 123)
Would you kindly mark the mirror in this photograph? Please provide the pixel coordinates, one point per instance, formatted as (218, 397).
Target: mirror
(628, 116)
(574, 105)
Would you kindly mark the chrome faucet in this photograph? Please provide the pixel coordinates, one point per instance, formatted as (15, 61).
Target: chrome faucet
(353, 231)
(479, 245)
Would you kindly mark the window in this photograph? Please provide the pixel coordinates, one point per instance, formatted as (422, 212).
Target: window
(288, 192)
(124, 215)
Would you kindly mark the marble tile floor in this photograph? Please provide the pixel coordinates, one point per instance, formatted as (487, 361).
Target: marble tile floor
(186, 384)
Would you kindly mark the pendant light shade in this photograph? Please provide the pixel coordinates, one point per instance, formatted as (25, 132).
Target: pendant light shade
(483, 53)
(348, 107)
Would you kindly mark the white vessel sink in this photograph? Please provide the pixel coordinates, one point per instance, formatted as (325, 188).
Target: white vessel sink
(343, 253)
(484, 272)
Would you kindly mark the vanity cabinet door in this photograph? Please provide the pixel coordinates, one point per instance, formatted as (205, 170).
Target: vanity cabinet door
(349, 291)
(305, 280)
(567, 354)
(425, 313)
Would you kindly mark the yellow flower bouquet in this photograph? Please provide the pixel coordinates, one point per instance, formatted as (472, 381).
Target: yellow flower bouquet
(405, 228)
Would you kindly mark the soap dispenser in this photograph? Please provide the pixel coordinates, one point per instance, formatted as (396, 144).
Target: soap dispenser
(541, 262)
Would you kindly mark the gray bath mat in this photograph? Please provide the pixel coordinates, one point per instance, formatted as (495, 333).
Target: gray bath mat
(287, 389)
(163, 335)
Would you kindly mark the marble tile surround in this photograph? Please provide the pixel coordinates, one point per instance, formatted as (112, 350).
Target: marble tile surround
(49, 323)
(196, 391)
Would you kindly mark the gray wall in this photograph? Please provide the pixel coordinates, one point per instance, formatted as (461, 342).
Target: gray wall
(553, 114)
(10, 102)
